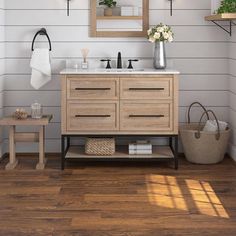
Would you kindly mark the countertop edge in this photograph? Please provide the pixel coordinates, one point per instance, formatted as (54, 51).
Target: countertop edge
(145, 72)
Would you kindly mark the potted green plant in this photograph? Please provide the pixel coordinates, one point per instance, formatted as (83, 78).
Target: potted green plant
(109, 5)
(227, 6)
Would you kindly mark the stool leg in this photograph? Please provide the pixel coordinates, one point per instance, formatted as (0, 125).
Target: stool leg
(12, 151)
(42, 160)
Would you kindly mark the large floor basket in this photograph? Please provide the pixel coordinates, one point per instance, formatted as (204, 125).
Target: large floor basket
(201, 147)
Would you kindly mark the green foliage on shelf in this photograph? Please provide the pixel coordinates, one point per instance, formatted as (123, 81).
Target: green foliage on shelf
(108, 3)
(227, 6)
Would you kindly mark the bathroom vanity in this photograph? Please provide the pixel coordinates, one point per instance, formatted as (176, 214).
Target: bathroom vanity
(114, 103)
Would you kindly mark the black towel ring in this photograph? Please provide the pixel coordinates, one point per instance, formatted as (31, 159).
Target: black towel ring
(43, 31)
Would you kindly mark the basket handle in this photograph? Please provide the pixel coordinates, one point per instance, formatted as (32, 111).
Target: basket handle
(198, 134)
(198, 103)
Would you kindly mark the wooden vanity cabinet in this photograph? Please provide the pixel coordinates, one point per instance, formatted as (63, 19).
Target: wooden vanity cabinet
(119, 105)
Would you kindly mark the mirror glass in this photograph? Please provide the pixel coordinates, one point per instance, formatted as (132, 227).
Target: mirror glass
(126, 16)
(123, 18)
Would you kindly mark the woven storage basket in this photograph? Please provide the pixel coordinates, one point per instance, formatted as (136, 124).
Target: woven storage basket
(201, 147)
(100, 146)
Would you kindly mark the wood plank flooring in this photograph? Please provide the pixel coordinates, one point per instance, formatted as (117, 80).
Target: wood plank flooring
(117, 199)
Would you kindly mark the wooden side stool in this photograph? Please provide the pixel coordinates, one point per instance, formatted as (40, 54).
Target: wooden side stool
(26, 137)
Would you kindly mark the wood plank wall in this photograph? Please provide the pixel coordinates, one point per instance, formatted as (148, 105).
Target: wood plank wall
(200, 52)
(2, 64)
(232, 92)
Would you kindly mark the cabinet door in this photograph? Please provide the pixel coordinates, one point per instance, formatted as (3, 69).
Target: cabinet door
(92, 88)
(146, 88)
(92, 116)
(146, 116)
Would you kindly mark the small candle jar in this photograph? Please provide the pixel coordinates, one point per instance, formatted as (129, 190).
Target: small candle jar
(36, 110)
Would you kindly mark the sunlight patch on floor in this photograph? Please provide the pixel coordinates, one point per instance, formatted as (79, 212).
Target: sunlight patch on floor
(187, 195)
(164, 191)
(206, 199)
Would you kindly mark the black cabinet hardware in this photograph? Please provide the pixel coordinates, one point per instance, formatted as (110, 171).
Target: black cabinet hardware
(84, 89)
(148, 89)
(146, 116)
(92, 116)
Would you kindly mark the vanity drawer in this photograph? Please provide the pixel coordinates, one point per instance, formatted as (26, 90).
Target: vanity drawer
(92, 116)
(92, 88)
(143, 116)
(146, 88)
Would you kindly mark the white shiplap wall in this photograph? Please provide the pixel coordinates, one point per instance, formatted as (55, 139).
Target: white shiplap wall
(200, 52)
(2, 65)
(232, 92)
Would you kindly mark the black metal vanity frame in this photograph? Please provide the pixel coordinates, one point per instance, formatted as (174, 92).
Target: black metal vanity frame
(65, 145)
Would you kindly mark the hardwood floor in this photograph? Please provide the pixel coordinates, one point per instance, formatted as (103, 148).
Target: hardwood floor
(118, 199)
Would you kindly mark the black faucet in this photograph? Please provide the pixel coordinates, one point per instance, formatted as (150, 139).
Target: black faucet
(119, 61)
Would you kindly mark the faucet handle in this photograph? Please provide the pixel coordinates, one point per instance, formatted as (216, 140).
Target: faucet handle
(108, 63)
(130, 63)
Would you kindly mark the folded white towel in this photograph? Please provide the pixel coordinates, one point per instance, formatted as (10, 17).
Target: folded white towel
(211, 126)
(41, 67)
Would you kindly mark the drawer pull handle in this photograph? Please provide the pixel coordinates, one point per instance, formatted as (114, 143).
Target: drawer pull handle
(84, 89)
(147, 89)
(92, 116)
(146, 116)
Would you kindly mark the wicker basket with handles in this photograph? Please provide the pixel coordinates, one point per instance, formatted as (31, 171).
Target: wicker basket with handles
(100, 146)
(202, 147)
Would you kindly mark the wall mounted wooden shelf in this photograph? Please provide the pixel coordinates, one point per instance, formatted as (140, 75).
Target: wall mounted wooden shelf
(221, 17)
(119, 17)
(230, 17)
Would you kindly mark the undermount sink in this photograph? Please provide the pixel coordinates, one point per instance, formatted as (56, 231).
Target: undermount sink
(118, 70)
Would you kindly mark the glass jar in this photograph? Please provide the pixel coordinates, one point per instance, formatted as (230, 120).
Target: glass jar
(36, 110)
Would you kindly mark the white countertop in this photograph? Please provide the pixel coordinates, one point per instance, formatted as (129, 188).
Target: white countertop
(146, 71)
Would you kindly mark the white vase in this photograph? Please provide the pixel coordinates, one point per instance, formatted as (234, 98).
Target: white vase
(215, 4)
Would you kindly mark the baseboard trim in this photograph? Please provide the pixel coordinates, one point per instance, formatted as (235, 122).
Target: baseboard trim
(232, 151)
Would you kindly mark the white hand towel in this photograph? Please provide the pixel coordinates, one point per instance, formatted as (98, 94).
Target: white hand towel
(41, 67)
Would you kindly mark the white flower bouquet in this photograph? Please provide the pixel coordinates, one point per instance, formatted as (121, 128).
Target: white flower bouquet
(160, 33)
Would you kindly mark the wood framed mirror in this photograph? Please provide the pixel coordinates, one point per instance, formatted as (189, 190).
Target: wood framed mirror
(129, 18)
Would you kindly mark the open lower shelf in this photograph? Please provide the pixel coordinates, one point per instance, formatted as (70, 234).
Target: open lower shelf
(159, 152)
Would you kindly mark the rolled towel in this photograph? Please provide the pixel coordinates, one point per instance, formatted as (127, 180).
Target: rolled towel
(211, 126)
(41, 67)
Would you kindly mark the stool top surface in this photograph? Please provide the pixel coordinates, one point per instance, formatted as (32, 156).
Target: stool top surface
(8, 121)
